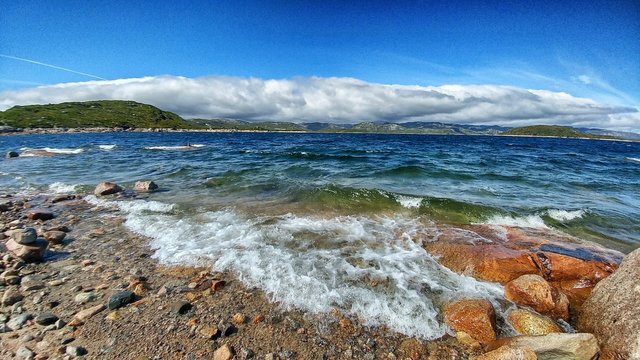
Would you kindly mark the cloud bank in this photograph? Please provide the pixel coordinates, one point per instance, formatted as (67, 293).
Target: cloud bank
(339, 100)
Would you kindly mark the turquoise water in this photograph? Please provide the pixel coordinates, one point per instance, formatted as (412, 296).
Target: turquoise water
(582, 187)
(326, 221)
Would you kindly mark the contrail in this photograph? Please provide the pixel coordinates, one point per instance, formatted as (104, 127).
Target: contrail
(51, 66)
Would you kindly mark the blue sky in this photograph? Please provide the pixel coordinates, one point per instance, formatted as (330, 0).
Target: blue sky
(587, 49)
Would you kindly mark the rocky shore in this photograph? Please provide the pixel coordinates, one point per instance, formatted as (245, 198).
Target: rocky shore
(75, 282)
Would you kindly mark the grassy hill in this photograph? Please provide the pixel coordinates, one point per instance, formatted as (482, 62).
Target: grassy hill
(552, 130)
(103, 113)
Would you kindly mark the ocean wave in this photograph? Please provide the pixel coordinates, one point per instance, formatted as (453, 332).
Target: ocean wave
(633, 159)
(565, 215)
(367, 267)
(62, 188)
(530, 221)
(62, 151)
(107, 147)
(178, 147)
(409, 202)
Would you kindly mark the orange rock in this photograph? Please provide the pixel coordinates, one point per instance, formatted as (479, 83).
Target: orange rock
(509, 353)
(239, 318)
(536, 292)
(344, 323)
(218, 285)
(257, 319)
(526, 322)
(475, 317)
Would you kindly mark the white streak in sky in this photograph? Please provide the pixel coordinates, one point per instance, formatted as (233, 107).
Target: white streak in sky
(51, 66)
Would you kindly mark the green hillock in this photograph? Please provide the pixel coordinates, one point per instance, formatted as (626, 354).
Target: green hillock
(552, 130)
(91, 114)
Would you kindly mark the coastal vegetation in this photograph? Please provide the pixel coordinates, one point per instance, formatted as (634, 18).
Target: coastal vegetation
(120, 114)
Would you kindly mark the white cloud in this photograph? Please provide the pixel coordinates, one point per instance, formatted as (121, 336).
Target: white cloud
(340, 100)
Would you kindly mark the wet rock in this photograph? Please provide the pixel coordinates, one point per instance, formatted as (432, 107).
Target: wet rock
(24, 236)
(526, 322)
(475, 317)
(107, 188)
(611, 312)
(145, 186)
(493, 254)
(29, 253)
(581, 346)
(45, 319)
(38, 214)
(24, 352)
(54, 236)
(508, 353)
(121, 299)
(11, 296)
(536, 292)
(223, 353)
(181, 307)
(11, 154)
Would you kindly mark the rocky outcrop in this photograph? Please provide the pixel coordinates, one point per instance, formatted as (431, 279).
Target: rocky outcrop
(502, 254)
(107, 188)
(526, 322)
(536, 292)
(611, 312)
(579, 346)
(472, 317)
(145, 186)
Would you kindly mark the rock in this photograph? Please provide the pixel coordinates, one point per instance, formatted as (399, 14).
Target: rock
(239, 319)
(24, 352)
(475, 317)
(29, 253)
(75, 351)
(209, 332)
(4, 328)
(581, 346)
(526, 322)
(11, 296)
(410, 348)
(11, 154)
(503, 254)
(536, 292)
(54, 236)
(223, 353)
(107, 188)
(245, 354)
(227, 329)
(145, 186)
(508, 353)
(43, 215)
(26, 236)
(45, 319)
(611, 312)
(257, 319)
(85, 297)
(5, 206)
(10, 277)
(181, 307)
(62, 197)
(31, 284)
(18, 321)
(121, 299)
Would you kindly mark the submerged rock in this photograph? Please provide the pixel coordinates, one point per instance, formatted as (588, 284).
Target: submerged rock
(611, 312)
(145, 186)
(475, 317)
(526, 322)
(503, 254)
(536, 292)
(107, 188)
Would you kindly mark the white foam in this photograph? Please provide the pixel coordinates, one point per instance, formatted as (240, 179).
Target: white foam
(530, 221)
(180, 147)
(633, 159)
(564, 215)
(63, 151)
(133, 206)
(408, 201)
(107, 147)
(62, 188)
(367, 267)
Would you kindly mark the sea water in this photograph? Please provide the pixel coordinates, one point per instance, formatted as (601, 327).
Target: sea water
(336, 221)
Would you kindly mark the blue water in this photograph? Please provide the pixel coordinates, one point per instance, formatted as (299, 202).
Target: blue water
(462, 178)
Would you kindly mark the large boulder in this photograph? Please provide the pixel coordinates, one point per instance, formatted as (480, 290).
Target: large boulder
(611, 312)
(534, 291)
(475, 318)
(579, 346)
(526, 322)
(508, 353)
(502, 254)
(107, 188)
(33, 252)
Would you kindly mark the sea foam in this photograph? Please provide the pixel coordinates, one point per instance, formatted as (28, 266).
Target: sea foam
(179, 147)
(62, 188)
(530, 221)
(564, 215)
(367, 267)
(107, 147)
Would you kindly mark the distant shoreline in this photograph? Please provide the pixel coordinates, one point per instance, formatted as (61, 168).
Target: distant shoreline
(48, 131)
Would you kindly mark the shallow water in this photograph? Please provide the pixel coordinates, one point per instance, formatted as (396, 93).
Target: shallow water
(324, 221)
